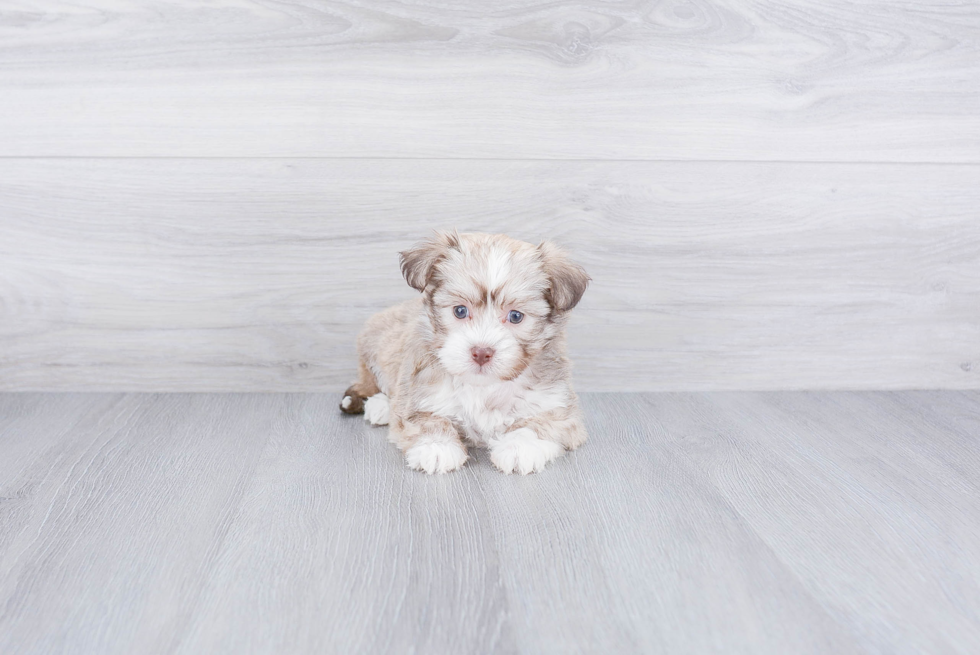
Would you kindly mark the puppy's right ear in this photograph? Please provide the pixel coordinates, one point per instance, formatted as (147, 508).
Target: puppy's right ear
(420, 261)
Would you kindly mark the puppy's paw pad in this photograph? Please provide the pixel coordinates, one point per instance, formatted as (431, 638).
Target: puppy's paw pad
(436, 457)
(377, 409)
(522, 452)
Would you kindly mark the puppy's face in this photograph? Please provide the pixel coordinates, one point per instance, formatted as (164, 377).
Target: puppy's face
(493, 302)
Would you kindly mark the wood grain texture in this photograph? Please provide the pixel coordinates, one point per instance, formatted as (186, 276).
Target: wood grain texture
(805, 80)
(338, 548)
(720, 522)
(889, 498)
(631, 548)
(112, 510)
(255, 275)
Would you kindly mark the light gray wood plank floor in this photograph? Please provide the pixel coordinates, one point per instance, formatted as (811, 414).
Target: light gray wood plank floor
(753, 522)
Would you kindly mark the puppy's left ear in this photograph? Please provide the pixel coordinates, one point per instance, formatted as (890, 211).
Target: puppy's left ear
(419, 261)
(568, 279)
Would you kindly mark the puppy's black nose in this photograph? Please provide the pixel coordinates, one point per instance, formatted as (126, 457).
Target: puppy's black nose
(482, 355)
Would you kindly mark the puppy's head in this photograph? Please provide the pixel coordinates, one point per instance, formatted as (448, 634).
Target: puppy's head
(493, 302)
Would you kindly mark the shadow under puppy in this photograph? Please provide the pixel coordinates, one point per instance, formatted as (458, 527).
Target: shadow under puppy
(478, 359)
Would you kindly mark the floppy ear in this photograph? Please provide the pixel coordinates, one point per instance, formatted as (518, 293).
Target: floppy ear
(419, 261)
(568, 280)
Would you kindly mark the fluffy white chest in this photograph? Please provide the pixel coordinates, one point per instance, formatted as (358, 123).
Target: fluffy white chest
(488, 410)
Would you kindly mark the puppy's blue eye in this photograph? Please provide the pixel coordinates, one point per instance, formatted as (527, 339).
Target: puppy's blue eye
(515, 316)
(460, 311)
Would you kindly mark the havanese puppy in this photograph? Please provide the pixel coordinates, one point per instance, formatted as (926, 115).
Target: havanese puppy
(478, 359)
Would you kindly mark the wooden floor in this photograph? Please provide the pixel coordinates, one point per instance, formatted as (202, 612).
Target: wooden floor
(749, 522)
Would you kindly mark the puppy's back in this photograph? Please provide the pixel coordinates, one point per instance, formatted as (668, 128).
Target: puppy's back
(386, 337)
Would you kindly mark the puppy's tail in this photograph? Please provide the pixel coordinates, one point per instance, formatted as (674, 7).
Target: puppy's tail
(353, 402)
(365, 387)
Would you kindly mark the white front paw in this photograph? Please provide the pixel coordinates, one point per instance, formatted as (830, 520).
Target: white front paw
(436, 456)
(376, 409)
(522, 451)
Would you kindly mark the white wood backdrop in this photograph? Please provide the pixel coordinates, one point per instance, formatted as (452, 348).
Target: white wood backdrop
(211, 196)
(831, 80)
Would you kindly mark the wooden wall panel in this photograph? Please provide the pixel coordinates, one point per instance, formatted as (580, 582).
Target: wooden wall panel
(807, 80)
(252, 274)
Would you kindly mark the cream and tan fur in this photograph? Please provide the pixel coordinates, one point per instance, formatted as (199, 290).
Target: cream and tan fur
(425, 372)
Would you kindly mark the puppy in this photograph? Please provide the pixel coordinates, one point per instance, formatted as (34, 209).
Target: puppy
(478, 359)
